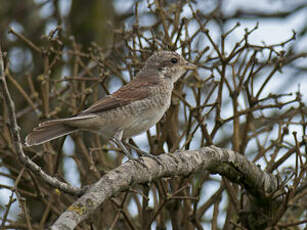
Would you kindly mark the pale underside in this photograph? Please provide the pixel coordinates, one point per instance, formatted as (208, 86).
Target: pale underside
(127, 119)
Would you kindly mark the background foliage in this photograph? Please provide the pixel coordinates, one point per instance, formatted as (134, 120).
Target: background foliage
(247, 96)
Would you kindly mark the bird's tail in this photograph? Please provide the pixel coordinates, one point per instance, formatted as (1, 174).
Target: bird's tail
(48, 131)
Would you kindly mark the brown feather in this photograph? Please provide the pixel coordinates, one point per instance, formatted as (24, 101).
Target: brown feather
(48, 132)
(135, 90)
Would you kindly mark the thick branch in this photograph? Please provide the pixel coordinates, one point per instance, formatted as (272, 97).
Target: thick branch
(230, 164)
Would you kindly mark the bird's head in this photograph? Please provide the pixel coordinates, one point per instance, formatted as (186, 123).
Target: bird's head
(168, 64)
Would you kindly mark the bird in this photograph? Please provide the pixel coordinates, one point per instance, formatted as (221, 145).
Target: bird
(129, 111)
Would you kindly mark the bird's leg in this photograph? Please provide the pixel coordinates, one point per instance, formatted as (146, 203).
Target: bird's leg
(116, 139)
(122, 147)
(143, 153)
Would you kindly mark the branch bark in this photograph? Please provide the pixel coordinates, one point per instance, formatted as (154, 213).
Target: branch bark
(225, 162)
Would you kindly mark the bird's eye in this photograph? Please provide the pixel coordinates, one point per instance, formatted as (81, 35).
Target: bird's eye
(174, 60)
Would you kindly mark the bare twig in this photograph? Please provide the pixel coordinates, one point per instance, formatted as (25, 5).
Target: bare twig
(18, 143)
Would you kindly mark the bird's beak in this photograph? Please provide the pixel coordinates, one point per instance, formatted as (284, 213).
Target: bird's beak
(189, 66)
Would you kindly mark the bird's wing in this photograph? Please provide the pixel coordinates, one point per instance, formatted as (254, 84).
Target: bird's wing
(135, 90)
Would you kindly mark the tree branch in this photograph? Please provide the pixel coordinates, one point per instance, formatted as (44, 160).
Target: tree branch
(228, 163)
(14, 129)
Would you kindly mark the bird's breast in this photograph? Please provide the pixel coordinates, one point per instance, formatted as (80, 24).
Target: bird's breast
(146, 113)
(136, 117)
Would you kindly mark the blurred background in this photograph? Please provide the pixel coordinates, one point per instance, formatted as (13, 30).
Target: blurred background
(62, 55)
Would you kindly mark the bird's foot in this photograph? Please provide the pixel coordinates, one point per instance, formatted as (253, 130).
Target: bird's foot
(127, 153)
(122, 147)
(154, 157)
(145, 154)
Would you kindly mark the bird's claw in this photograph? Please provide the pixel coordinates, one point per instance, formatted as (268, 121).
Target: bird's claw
(154, 157)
